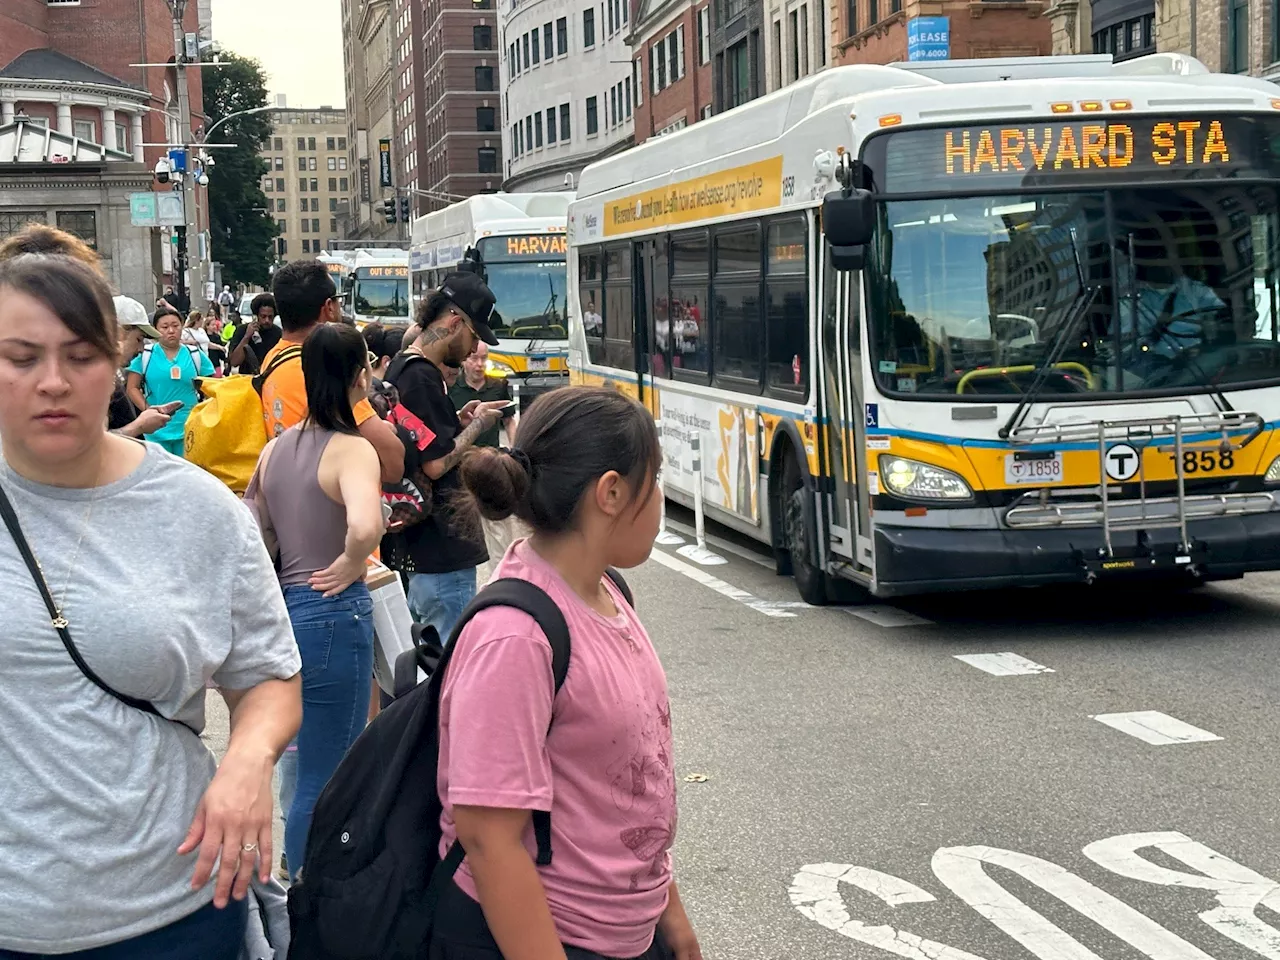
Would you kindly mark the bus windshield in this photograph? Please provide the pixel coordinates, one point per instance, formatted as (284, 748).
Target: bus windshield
(968, 297)
(383, 297)
(531, 299)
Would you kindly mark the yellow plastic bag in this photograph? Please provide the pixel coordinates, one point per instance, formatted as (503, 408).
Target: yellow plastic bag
(225, 432)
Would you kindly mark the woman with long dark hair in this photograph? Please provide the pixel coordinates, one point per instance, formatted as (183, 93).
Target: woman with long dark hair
(107, 790)
(321, 485)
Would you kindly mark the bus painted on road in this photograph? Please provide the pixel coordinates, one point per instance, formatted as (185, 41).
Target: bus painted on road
(957, 325)
(517, 241)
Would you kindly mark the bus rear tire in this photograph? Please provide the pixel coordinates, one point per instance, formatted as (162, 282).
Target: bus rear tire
(797, 534)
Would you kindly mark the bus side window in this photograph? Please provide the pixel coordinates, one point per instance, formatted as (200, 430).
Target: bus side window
(787, 308)
(591, 301)
(619, 335)
(690, 325)
(660, 342)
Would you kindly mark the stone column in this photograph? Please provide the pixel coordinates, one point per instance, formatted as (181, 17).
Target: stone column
(109, 128)
(64, 118)
(136, 138)
(1175, 31)
(1070, 24)
(6, 112)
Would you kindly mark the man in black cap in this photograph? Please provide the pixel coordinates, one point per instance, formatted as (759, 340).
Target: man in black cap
(440, 552)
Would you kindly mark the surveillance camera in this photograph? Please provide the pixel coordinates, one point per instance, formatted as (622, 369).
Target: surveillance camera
(203, 179)
(163, 169)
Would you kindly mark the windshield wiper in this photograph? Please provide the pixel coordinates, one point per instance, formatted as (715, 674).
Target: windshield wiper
(1164, 333)
(1082, 305)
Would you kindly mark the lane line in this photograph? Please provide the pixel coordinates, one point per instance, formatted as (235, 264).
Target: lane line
(1158, 729)
(886, 616)
(727, 546)
(767, 607)
(1003, 664)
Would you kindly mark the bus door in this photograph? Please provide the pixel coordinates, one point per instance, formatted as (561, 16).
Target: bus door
(642, 274)
(842, 410)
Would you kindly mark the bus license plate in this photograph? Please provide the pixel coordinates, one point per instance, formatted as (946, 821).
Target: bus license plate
(1045, 470)
(539, 363)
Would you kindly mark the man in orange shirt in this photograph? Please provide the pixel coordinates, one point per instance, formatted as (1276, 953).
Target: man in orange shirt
(306, 297)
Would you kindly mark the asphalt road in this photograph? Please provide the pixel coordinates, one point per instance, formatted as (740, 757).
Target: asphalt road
(868, 794)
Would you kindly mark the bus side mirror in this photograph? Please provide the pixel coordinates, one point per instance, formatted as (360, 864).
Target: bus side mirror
(849, 223)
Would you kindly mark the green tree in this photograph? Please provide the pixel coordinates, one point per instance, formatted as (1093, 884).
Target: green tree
(242, 228)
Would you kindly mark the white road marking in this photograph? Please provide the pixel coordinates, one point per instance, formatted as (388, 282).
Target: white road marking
(719, 543)
(1002, 664)
(1155, 728)
(718, 585)
(701, 555)
(885, 616)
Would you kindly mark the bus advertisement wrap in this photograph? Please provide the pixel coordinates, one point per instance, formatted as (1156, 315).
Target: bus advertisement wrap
(756, 186)
(729, 446)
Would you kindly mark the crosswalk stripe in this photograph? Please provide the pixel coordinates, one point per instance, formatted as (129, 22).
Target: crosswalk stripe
(1154, 727)
(1002, 664)
(719, 586)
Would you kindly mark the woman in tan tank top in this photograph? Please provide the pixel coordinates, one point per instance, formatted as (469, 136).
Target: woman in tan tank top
(322, 485)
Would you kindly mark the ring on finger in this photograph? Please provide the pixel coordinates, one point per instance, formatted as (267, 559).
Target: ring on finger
(249, 847)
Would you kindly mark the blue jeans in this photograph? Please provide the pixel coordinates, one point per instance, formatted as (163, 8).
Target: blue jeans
(287, 768)
(207, 934)
(335, 638)
(438, 599)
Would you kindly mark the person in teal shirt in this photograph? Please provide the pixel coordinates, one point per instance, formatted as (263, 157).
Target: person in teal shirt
(164, 374)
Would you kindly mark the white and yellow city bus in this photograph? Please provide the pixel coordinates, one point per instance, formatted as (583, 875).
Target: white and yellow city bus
(517, 240)
(959, 325)
(377, 289)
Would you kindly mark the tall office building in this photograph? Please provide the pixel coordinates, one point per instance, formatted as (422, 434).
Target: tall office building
(310, 174)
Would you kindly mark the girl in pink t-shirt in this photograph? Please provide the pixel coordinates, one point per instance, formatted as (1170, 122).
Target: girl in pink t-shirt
(597, 755)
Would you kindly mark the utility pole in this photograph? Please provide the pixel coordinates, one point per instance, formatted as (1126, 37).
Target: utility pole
(191, 230)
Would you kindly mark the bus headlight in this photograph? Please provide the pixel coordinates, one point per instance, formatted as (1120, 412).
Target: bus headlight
(920, 481)
(496, 368)
(1273, 472)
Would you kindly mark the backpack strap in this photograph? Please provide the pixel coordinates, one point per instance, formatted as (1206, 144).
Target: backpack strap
(281, 358)
(620, 582)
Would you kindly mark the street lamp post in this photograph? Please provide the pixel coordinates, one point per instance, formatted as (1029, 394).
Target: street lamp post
(178, 9)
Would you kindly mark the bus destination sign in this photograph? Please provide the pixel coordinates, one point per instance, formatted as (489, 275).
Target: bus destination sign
(531, 246)
(371, 272)
(1076, 151)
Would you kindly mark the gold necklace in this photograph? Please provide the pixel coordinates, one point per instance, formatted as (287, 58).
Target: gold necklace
(60, 621)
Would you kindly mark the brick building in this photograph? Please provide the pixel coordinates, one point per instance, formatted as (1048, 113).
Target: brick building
(407, 44)
(796, 44)
(875, 31)
(107, 35)
(461, 109)
(671, 44)
(737, 52)
(1228, 36)
(309, 176)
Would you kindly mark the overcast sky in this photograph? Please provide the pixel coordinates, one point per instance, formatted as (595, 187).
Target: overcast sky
(298, 41)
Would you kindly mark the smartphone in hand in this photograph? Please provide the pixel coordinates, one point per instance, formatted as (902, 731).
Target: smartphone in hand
(169, 409)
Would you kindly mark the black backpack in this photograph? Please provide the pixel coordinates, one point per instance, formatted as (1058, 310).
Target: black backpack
(373, 874)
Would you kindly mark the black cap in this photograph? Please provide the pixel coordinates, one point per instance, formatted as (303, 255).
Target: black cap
(473, 297)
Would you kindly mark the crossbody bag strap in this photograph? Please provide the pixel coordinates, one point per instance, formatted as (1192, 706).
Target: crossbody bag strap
(58, 621)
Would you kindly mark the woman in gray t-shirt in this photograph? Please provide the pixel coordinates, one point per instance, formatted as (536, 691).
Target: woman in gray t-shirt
(123, 837)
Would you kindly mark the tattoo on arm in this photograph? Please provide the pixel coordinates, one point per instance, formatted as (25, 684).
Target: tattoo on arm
(461, 444)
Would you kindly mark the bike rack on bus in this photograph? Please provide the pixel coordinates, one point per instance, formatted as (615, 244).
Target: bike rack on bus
(1224, 431)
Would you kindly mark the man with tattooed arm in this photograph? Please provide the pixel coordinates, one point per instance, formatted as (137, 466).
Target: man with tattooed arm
(444, 550)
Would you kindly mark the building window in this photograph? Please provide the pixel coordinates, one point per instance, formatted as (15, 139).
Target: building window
(282, 206)
(306, 225)
(306, 244)
(537, 129)
(302, 164)
(279, 144)
(315, 185)
(737, 81)
(486, 119)
(613, 105)
(302, 184)
(333, 163)
(280, 184)
(524, 43)
(315, 225)
(487, 160)
(537, 46)
(562, 36)
(343, 184)
(482, 38)
(706, 111)
(851, 17)
(793, 36)
(342, 143)
(333, 204)
(626, 86)
(548, 43)
(302, 143)
(704, 36)
(551, 125)
(282, 245)
(821, 31)
(279, 163)
(333, 224)
(637, 81)
(330, 144)
(589, 28)
(804, 41)
(311, 143)
(593, 121)
(484, 78)
(84, 130)
(122, 137)
(675, 50)
(342, 163)
(609, 17)
(1238, 36)
(333, 184)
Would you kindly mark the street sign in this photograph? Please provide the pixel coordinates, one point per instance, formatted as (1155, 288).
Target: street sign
(170, 211)
(142, 210)
(929, 38)
(384, 162)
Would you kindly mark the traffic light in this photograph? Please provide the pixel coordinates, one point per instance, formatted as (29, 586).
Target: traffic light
(387, 208)
(405, 212)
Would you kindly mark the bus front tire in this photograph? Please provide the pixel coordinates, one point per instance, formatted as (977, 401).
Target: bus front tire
(797, 534)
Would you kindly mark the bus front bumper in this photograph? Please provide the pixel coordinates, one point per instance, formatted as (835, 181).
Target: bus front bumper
(913, 560)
